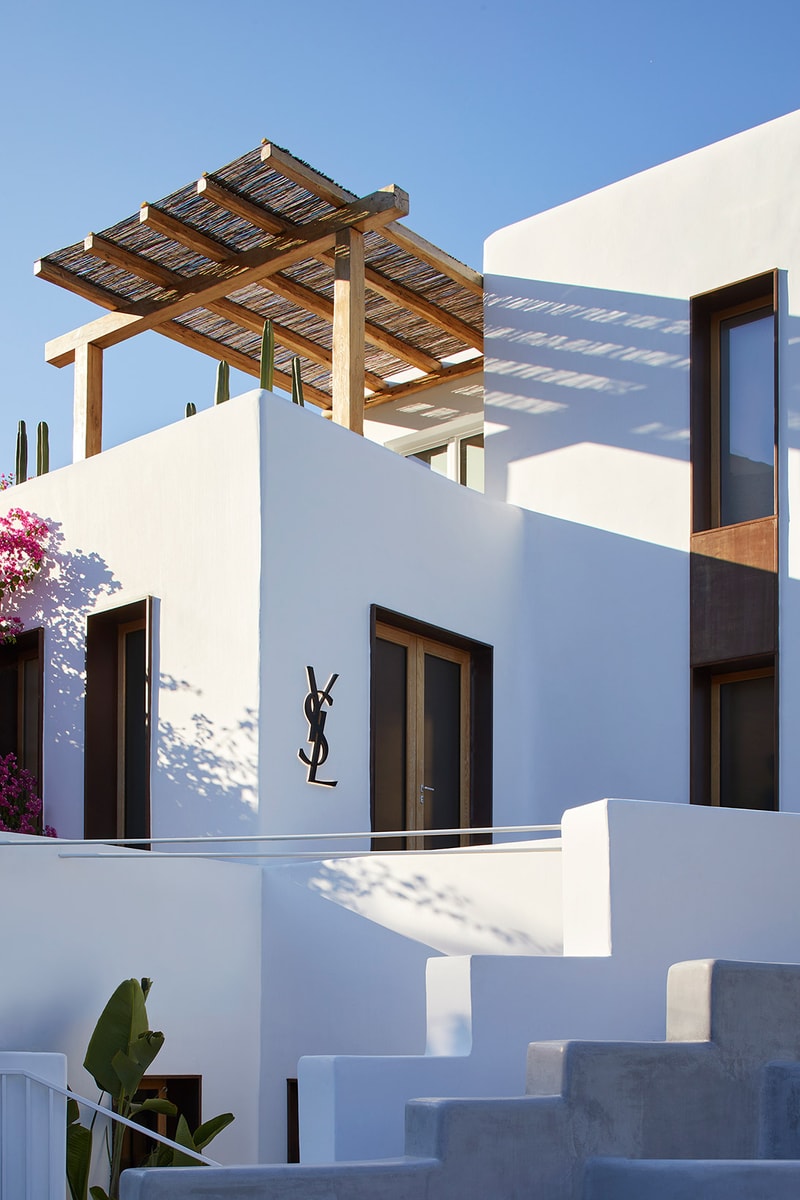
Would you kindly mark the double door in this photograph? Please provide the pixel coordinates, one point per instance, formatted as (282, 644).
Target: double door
(421, 739)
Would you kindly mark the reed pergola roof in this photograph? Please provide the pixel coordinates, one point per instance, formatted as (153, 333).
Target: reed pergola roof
(257, 239)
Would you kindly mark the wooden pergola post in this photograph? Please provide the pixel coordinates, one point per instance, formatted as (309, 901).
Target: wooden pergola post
(348, 330)
(87, 412)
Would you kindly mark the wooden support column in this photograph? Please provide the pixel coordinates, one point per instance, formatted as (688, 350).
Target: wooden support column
(348, 330)
(87, 412)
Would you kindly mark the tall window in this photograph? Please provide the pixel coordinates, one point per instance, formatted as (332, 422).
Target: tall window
(117, 753)
(431, 733)
(734, 385)
(744, 415)
(734, 548)
(21, 701)
(743, 729)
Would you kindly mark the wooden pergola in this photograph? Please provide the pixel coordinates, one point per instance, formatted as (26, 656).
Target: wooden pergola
(360, 298)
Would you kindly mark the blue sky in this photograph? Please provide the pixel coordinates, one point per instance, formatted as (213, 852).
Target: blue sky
(484, 112)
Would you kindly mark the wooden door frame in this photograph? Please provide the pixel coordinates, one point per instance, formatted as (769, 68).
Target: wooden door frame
(476, 660)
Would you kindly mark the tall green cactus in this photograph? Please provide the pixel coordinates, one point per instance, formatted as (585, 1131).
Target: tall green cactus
(297, 383)
(223, 383)
(21, 471)
(191, 409)
(42, 448)
(267, 373)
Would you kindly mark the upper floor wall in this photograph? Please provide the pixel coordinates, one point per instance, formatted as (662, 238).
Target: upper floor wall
(589, 427)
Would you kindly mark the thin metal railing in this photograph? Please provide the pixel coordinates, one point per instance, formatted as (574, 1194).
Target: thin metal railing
(108, 1113)
(273, 838)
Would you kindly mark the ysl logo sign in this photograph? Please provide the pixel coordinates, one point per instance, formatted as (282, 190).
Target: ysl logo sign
(316, 716)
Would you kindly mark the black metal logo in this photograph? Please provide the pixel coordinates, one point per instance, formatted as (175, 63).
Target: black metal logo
(316, 716)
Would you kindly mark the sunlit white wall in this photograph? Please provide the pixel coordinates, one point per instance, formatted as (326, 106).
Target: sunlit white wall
(587, 393)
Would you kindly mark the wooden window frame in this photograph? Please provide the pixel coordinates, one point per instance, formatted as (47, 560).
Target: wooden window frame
(716, 681)
(417, 647)
(705, 733)
(708, 311)
(136, 1145)
(29, 646)
(476, 717)
(104, 807)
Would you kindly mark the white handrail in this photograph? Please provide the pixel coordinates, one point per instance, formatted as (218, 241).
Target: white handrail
(110, 1114)
(284, 855)
(283, 837)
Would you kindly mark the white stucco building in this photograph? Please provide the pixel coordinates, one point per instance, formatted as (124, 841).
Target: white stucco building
(613, 616)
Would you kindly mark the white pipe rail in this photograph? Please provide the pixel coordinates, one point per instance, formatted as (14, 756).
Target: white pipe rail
(44, 1141)
(130, 844)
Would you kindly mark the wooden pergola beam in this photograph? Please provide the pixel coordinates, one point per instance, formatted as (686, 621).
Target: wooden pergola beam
(87, 409)
(292, 168)
(53, 273)
(238, 314)
(288, 338)
(178, 231)
(242, 362)
(135, 264)
(398, 391)
(376, 335)
(236, 272)
(281, 285)
(376, 281)
(348, 331)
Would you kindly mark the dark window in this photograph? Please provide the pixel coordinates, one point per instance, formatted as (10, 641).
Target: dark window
(743, 739)
(21, 680)
(117, 754)
(431, 733)
(292, 1122)
(184, 1091)
(734, 387)
(734, 736)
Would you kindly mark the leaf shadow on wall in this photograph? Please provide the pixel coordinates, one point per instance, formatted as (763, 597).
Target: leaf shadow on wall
(205, 770)
(417, 899)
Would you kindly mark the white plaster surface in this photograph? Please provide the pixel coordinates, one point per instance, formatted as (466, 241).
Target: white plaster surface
(645, 885)
(81, 926)
(346, 944)
(175, 515)
(587, 345)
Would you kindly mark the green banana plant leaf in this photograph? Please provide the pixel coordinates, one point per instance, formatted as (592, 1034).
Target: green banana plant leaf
(130, 1067)
(98, 1193)
(183, 1137)
(156, 1105)
(209, 1130)
(79, 1153)
(122, 1022)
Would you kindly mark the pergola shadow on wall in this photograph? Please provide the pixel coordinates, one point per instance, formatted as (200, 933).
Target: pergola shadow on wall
(373, 311)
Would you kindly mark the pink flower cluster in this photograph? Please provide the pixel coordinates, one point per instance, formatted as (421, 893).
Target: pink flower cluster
(10, 628)
(20, 807)
(22, 538)
(6, 481)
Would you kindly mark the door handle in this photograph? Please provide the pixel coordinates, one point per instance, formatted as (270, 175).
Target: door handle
(422, 790)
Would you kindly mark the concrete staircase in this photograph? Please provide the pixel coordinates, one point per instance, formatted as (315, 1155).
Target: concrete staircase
(714, 1111)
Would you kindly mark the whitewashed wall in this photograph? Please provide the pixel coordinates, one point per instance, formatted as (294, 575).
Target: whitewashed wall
(76, 928)
(587, 405)
(349, 524)
(644, 885)
(347, 942)
(174, 515)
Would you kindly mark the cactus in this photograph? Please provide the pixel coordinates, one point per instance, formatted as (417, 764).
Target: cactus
(191, 409)
(42, 448)
(267, 357)
(223, 383)
(21, 473)
(297, 383)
